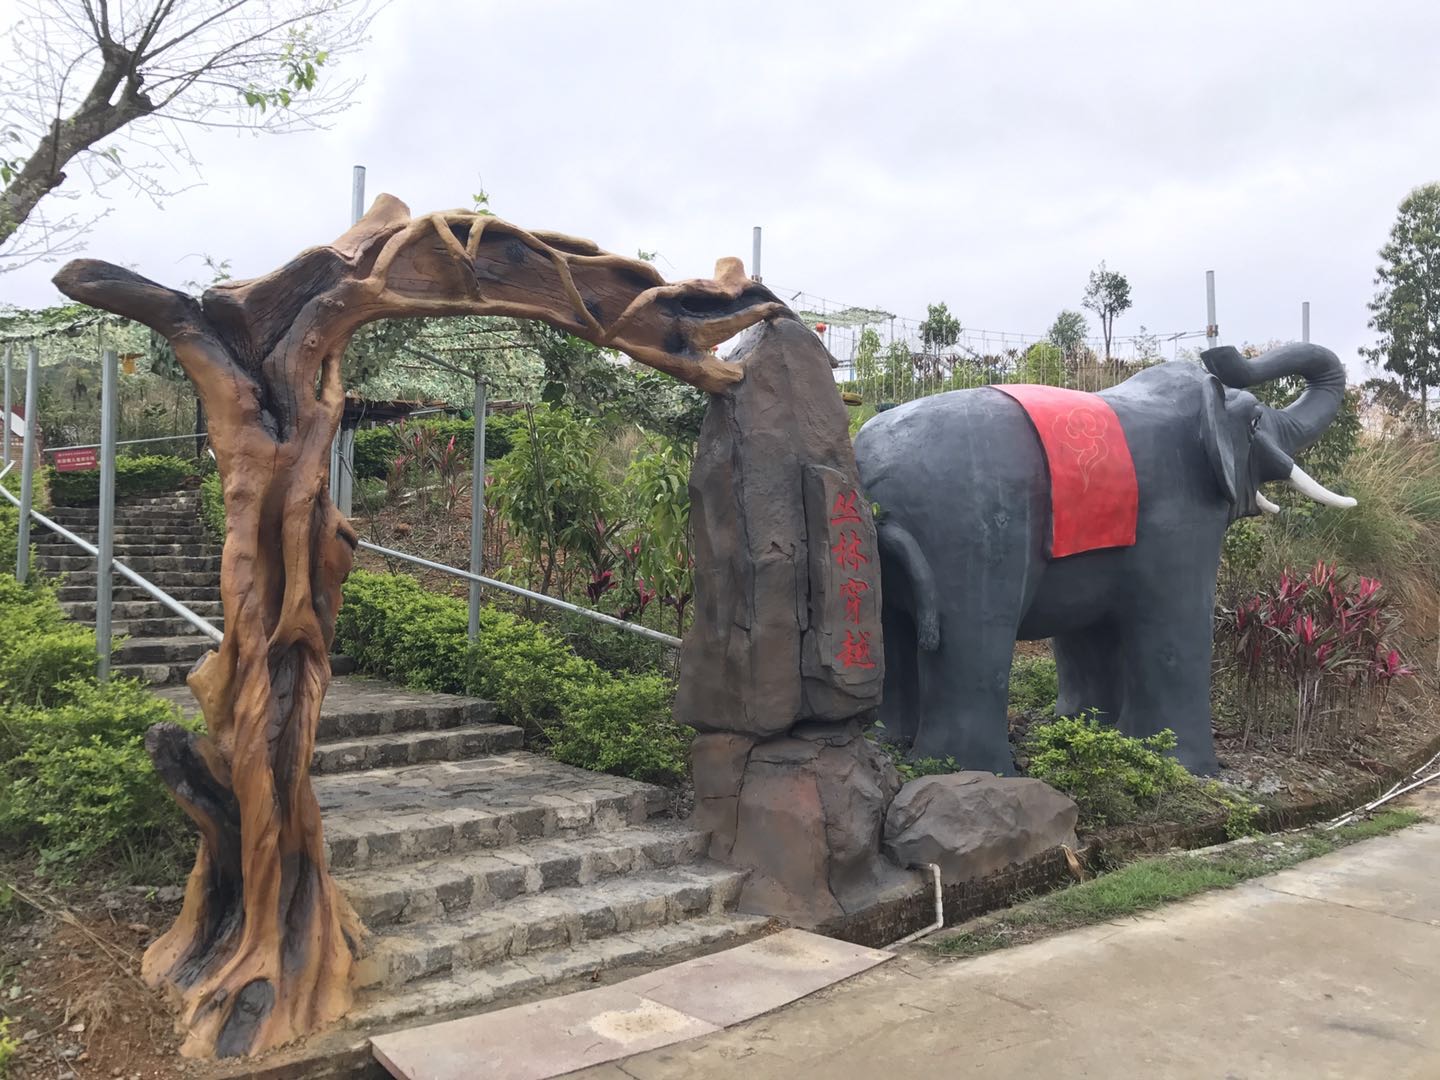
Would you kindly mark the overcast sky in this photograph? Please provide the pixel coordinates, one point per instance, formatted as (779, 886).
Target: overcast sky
(984, 154)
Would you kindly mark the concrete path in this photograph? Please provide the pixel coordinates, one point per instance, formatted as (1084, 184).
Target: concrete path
(1330, 969)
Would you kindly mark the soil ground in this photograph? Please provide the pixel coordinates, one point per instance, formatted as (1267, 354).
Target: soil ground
(70, 978)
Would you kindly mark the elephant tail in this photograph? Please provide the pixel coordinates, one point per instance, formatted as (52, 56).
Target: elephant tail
(903, 548)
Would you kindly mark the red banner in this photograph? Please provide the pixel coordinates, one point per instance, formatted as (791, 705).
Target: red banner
(1093, 495)
(76, 460)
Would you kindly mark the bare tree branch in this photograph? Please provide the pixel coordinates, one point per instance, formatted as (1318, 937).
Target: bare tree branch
(149, 67)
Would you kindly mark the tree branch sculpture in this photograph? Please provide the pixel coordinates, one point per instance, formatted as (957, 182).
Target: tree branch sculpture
(263, 950)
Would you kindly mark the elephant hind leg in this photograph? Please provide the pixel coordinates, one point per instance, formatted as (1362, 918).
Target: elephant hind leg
(1088, 664)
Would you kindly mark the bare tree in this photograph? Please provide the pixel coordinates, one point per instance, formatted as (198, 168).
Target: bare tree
(108, 87)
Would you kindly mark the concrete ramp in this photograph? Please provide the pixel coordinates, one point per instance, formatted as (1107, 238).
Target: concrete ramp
(559, 1035)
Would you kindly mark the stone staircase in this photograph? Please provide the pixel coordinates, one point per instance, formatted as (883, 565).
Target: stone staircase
(484, 871)
(162, 539)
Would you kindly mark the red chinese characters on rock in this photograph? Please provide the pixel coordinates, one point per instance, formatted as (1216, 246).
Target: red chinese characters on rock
(850, 556)
(855, 650)
(853, 592)
(844, 512)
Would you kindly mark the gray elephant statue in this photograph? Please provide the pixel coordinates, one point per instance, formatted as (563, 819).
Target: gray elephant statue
(979, 548)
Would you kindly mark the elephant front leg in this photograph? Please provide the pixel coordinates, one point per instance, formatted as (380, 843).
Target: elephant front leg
(1166, 660)
(964, 693)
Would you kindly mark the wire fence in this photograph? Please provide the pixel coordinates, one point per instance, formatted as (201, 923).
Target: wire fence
(884, 357)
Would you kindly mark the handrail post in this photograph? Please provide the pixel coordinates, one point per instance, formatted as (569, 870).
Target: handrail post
(477, 509)
(346, 462)
(106, 539)
(5, 446)
(27, 465)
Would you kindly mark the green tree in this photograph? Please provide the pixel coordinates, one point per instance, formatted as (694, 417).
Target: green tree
(1043, 363)
(899, 364)
(867, 354)
(85, 74)
(1068, 332)
(1108, 295)
(940, 330)
(1406, 309)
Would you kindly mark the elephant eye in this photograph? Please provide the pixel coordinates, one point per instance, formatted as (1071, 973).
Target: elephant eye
(1254, 423)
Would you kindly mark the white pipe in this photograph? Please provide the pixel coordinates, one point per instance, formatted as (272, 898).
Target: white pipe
(1265, 504)
(1304, 483)
(939, 913)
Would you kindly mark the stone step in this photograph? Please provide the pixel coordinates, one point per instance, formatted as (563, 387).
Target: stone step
(384, 817)
(414, 748)
(168, 580)
(146, 565)
(126, 552)
(434, 888)
(470, 989)
(186, 594)
(154, 674)
(174, 674)
(84, 610)
(153, 627)
(164, 650)
(355, 707)
(127, 534)
(79, 516)
(549, 920)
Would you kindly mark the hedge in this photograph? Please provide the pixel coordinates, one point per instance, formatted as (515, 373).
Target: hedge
(393, 627)
(75, 781)
(150, 475)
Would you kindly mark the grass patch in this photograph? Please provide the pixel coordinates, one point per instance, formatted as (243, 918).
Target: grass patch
(1149, 883)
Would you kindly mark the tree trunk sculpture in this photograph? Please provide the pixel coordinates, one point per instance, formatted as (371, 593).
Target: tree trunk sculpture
(263, 950)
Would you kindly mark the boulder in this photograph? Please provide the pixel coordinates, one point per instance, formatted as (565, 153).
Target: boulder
(974, 823)
(804, 813)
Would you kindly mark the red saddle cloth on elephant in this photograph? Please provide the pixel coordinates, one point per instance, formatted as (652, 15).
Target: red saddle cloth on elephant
(1093, 496)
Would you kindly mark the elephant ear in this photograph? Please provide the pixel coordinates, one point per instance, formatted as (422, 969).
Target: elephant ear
(1218, 447)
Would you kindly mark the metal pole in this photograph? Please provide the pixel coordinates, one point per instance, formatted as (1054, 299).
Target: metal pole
(27, 465)
(477, 508)
(347, 470)
(338, 495)
(1305, 321)
(9, 363)
(106, 539)
(1212, 328)
(755, 255)
(357, 194)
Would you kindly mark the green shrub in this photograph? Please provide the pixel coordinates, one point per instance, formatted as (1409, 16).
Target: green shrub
(393, 627)
(375, 448)
(623, 726)
(1034, 684)
(1111, 776)
(149, 475)
(9, 1047)
(40, 650)
(212, 506)
(75, 780)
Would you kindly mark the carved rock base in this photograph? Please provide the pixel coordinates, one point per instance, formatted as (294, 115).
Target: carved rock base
(804, 812)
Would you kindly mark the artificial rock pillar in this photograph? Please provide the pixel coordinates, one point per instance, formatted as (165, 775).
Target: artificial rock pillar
(784, 664)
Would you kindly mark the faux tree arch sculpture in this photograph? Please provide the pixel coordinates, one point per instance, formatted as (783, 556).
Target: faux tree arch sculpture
(262, 952)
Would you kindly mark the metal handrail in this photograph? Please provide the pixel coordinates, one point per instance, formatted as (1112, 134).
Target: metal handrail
(564, 605)
(129, 442)
(120, 568)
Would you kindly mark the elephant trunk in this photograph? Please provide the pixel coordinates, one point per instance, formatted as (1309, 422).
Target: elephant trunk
(1302, 422)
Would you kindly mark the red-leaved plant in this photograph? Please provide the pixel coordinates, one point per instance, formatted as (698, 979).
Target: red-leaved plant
(1323, 637)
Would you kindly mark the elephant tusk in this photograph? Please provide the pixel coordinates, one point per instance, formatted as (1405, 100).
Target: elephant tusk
(1304, 483)
(1265, 504)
